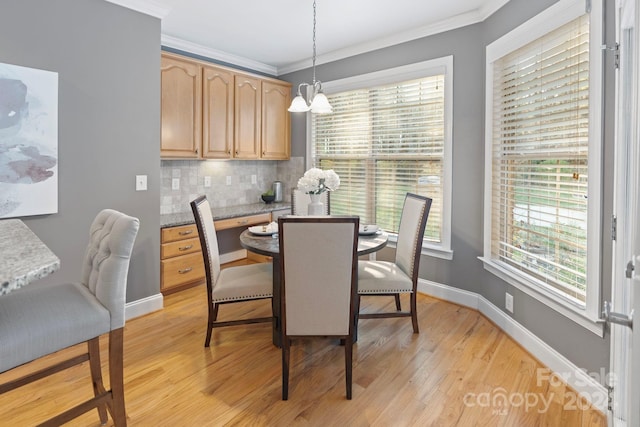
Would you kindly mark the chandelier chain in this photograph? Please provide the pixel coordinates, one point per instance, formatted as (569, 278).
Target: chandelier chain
(314, 42)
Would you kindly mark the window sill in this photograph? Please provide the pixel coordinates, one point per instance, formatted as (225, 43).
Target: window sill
(575, 313)
(428, 249)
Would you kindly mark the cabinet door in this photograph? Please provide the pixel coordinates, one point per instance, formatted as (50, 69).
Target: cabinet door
(276, 131)
(217, 113)
(247, 117)
(181, 107)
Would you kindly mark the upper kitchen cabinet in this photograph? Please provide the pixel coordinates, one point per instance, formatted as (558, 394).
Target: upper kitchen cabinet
(215, 112)
(276, 129)
(181, 104)
(248, 117)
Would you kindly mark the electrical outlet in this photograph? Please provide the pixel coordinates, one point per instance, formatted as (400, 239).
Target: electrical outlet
(141, 182)
(207, 181)
(254, 179)
(175, 184)
(508, 302)
(228, 180)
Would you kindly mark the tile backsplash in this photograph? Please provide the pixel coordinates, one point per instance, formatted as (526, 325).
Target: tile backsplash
(191, 175)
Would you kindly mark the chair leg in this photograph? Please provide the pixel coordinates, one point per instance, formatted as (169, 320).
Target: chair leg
(398, 306)
(286, 353)
(116, 377)
(348, 364)
(96, 375)
(414, 312)
(213, 315)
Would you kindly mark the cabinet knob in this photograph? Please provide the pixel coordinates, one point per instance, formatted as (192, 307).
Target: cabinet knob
(185, 270)
(185, 232)
(185, 248)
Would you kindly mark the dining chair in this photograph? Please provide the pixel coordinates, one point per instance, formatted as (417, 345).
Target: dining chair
(38, 320)
(300, 201)
(401, 275)
(233, 284)
(318, 262)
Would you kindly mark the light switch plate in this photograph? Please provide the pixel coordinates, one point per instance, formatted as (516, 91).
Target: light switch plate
(207, 181)
(141, 182)
(228, 180)
(175, 184)
(254, 179)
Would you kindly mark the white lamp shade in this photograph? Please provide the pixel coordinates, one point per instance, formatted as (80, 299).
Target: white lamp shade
(320, 104)
(299, 105)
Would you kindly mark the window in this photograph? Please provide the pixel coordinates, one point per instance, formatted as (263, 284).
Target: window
(389, 134)
(543, 159)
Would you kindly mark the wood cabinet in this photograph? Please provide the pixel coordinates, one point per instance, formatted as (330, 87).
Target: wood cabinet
(276, 128)
(215, 112)
(181, 261)
(248, 117)
(181, 103)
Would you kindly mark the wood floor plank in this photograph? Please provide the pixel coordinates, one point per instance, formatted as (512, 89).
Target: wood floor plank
(445, 376)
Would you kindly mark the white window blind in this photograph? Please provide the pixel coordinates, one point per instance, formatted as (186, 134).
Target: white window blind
(383, 142)
(540, 158)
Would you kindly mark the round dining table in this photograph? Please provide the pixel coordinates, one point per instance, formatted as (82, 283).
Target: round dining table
(269, 245)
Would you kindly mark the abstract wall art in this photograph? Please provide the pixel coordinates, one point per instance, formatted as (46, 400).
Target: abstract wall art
(28, 141)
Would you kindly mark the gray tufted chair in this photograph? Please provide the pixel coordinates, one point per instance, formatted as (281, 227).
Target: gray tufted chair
(41, 319)
(233, 284)
(400, 276)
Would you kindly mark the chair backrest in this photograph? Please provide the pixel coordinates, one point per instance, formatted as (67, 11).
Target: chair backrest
(300, 201)
(208, 239)
(318, 259)
(106, 262)
(415, 212)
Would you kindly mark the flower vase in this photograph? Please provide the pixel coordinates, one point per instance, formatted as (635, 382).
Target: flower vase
(316, 207)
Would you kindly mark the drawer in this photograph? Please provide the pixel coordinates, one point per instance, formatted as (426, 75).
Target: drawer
(181, 247)
(183, 269)
(172, 234)
(243, 221)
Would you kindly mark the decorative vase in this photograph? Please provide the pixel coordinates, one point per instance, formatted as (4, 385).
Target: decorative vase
(316, 207)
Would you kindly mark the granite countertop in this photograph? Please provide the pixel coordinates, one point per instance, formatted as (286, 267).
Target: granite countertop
(23, 256)
(185, 218)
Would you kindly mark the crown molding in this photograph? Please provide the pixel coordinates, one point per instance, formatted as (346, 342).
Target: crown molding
(452, 23)
(219, 55)
(148, 7)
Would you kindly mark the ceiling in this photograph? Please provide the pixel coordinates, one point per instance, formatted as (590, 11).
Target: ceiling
(276, 36)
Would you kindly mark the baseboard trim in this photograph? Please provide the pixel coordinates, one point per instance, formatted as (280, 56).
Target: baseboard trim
(143, 306)
(590, 389)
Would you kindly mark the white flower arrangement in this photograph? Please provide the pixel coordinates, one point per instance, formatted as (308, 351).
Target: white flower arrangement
(317, 181)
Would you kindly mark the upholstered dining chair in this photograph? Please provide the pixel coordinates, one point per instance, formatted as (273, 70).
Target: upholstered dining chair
(400, 276)
(233, 284)
(38, 320)
(318, 261)
(300, 201)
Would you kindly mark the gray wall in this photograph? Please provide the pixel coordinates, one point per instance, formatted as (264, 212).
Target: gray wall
(465, 271)
(107, 59)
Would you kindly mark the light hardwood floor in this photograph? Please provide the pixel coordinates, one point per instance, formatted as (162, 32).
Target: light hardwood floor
(448, 375)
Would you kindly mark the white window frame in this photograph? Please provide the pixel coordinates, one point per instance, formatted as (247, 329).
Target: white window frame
(555, 16)
(418, 70)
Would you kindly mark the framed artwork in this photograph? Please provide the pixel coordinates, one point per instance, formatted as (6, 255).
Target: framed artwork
(28, 141)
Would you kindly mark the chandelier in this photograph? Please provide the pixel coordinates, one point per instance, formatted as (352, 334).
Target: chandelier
(319, 102)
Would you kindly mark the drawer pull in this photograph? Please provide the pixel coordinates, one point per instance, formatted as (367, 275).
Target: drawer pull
(185, 248)
(185, 270)
(185, 233)
(243, 222)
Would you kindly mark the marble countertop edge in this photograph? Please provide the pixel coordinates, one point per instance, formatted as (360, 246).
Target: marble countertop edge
(186, 218)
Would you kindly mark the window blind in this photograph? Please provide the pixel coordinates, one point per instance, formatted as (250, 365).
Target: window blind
(383, 142)
(540, 158)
